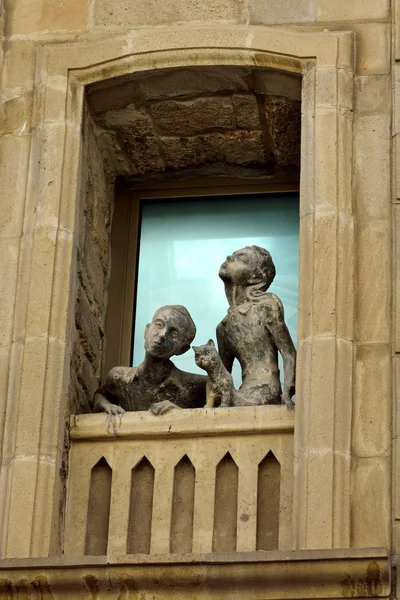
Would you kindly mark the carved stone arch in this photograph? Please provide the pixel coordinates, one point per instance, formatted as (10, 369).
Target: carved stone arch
(45, 324)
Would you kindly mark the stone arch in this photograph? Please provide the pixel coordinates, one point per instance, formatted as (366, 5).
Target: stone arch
(48, 258)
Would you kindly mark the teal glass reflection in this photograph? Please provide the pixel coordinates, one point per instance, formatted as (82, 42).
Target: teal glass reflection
(184, 242)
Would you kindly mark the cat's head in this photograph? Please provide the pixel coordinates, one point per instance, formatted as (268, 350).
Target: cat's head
(204, 355)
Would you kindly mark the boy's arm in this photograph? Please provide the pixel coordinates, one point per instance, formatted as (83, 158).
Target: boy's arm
(284, 343)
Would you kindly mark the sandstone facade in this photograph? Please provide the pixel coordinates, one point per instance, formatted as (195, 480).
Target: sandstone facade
(96, 93)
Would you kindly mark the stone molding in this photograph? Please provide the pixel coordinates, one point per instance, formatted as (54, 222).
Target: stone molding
(196, 423)
(34, 431)
(258, 575)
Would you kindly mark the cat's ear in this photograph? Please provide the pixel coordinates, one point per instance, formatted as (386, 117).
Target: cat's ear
(195, 348)
(210, 343)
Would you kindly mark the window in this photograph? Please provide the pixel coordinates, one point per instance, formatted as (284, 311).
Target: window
(184, 236)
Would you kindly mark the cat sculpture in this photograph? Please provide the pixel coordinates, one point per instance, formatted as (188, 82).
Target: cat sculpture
(219, 390)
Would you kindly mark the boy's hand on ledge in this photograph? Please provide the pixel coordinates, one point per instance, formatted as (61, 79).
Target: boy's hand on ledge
(101, 404)
(160, 408)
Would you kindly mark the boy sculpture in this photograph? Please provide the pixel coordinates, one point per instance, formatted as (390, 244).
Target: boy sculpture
(254, 329)
(156, 384)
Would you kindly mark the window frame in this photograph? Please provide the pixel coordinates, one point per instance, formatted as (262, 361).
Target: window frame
(125, 241)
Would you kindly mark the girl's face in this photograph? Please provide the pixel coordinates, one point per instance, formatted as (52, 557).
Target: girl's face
(239, 267)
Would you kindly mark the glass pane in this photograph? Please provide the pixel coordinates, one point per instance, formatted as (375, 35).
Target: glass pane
(184, 242)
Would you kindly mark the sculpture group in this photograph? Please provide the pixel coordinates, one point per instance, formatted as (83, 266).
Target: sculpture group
(253, 332)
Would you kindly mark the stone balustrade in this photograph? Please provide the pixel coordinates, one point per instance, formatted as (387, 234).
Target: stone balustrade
(190, 481)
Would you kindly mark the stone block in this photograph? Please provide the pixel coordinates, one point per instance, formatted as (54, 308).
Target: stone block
(63, 285)
(326, 159)
(284, 123)
(246, 111)
(271, 12)
(237, 148)
(396, 286)
(92, 265)
(326, 88)
(396, 439)
(191, 117)
(372, 169)
(17, 538)
(15, 115)
(374, 281)
(19, 66)
(356, 10)
(373, 48)
(52, 156)
(9, 258)
(243, 147)
(141, 144)
(371, 506)
(372, 401)
(14, 157)
(31, 16)
(184, 152)
(325, 273)
(322, 384)
(4, 369)
(116, 161)
(32, 386)
(345, 283)
(52, 416)
(306, 282)
(41, 281)
(88, 325)
(372, 94)
(128, 13)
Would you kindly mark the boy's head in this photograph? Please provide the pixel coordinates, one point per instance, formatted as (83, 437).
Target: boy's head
(170, 333)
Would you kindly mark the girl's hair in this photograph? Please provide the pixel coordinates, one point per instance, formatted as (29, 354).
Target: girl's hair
(265, 269)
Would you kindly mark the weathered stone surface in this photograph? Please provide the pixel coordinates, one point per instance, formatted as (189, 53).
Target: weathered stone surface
(371, 166)
(88, 326)
(15, 115)
(341, 10)
(245, 148)
(284, 122)
(373, 319)
(373, 43)
(143, 151)
(14, 157)
(246, 111)
(191, 117)
(126, 13)
(29, 16)
(185, 83)
(19, 66)
(372, 94)
(271, 12)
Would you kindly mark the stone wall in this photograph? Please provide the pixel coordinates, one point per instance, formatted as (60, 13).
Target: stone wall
(93, 265)
(233, 120)
(27, 25)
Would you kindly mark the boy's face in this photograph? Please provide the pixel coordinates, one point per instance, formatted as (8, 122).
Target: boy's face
(165, 335)
(239, 267)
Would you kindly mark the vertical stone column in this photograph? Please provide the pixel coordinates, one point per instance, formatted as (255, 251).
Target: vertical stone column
(34, 427)
(371, 428)
(396, 290)
(324, 372)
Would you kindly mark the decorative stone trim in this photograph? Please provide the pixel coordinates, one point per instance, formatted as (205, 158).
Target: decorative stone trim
(34, 431)
(254, 575)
